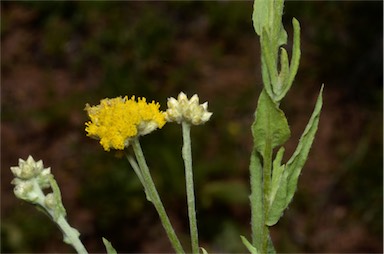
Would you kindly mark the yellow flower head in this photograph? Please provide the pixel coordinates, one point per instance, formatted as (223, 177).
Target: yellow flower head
(116, 121)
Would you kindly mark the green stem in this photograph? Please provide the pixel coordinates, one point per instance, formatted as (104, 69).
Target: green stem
(187, 156)
(267, 168)
(71, 235)
(256, 200)
(260, 174)
(154, 196)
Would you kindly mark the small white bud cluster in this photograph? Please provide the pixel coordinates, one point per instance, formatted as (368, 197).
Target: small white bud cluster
(190, 111)
(30, 179)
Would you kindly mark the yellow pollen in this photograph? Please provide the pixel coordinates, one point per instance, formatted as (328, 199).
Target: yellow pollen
(116, 121)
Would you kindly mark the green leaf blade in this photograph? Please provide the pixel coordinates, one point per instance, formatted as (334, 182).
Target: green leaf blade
(279, 190)
(109, 247)
(296, 53)
(297, 161)
(249, 246)
(270, 125)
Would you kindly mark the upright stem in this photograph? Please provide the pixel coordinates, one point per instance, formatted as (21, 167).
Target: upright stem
(154, 196)
(256, 200)
(187, 156)
(71, 235)
(260, 169)
(267, 169)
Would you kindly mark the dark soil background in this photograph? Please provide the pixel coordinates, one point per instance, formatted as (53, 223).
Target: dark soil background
(58, 56)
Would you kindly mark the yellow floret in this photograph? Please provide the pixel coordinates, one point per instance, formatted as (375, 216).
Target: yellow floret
(116, 121)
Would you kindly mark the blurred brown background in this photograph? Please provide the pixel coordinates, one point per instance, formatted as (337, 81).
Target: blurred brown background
(57, 56)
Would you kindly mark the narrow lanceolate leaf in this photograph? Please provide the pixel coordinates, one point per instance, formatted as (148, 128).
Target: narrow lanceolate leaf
(280, 33)
(288, 74)
(109, 247)
(279, 191)
(270, 125)
(269, 57)
(265, 75)
(296, 52)
(267, 14)
(249, 246)
(204, 250)
(260, 15)
(283, 75)
(279, 202)
(285, 177)
(296, 162)
(277, 173)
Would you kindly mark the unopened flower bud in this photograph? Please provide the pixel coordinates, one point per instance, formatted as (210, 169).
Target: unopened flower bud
(190, 111)
(27, 169)
(50, 201)
(25, 190)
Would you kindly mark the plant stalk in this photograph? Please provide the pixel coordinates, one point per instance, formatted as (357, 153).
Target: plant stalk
(267, 168)
(71, 235)
(187, 156)
(154, 196)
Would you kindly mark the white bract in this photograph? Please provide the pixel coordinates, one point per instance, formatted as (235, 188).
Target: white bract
(30, 178)
(190, 111)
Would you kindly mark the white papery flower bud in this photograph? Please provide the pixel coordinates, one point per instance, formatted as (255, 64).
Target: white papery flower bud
(30, 178)
(190, 111)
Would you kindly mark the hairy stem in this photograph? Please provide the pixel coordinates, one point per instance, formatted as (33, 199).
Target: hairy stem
(71, 235)
(187, 156)
(267, 164)
(154, 196)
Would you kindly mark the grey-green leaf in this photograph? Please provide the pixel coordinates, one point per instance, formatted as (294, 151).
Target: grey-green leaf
(294, 65)
(204, 250)
(279, 202)
(109, 247)
(249, 246)
(278, 192)
(270, 125)
(260, 15)
(296, 53)
(285, 177)
(267, 14)
(296, 162)
(283, 75)
(269, 56)
(277, 173)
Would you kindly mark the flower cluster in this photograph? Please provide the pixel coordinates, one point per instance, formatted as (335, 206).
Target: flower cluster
(116, 121)
(190, 111)
(30, 178)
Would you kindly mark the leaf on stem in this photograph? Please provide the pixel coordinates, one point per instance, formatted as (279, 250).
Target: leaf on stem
(277, 172)
(278, 197)
(296, 162)
(287, 73)
(267, 14)
(268, 25)
(109, 247)
(59, 207)
(296, 52)
(285, 177)
(269, 55)
(270, 124)
(252, 249)
(204, 250)
(283, 75)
